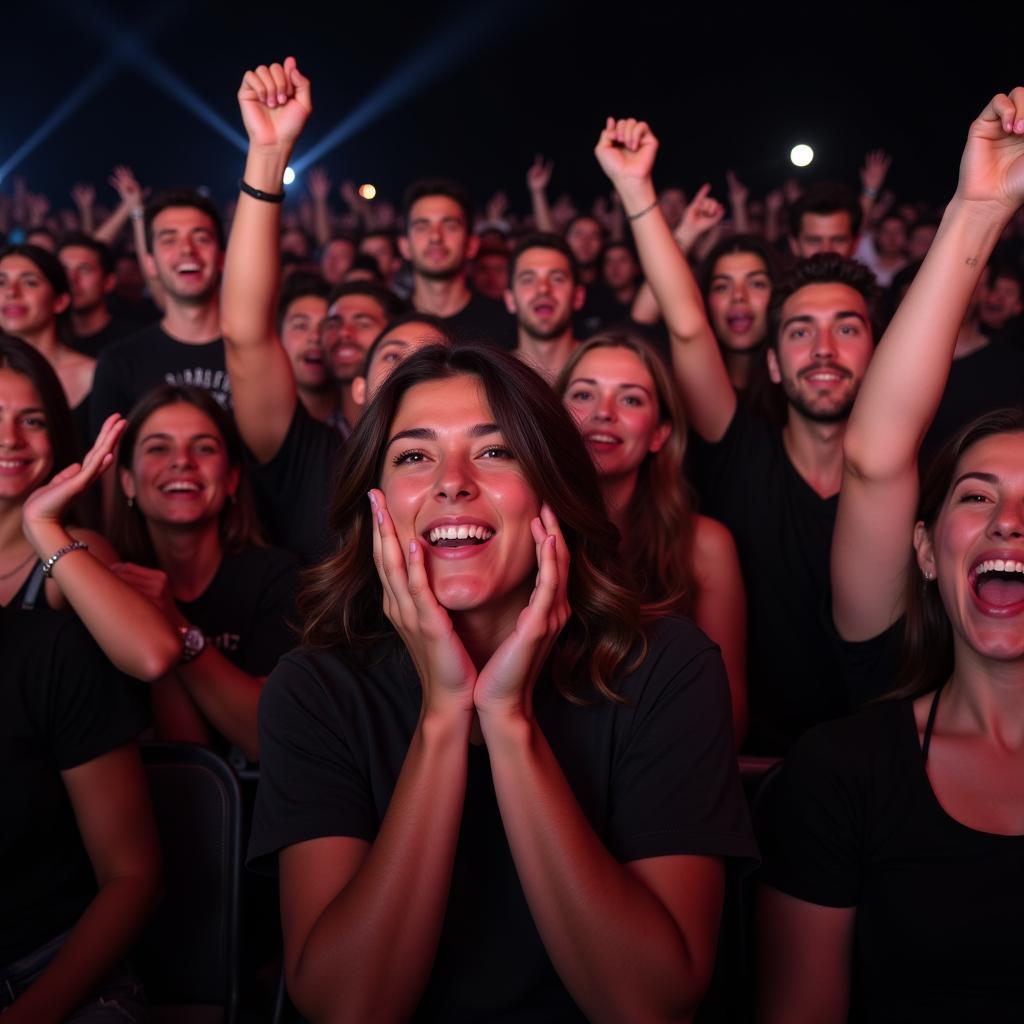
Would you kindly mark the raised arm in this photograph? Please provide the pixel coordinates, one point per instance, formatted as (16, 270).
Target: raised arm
(275, 103)
(906, 378)
(319, 191)
(538, 177)
(626, 151)
(102, 601)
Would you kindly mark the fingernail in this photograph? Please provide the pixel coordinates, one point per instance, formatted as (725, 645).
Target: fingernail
(372, 497)
(282, 99)
(1019, 126)
(412, 547)
(380, 517)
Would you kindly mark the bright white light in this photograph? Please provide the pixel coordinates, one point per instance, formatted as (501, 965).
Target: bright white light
(801, 155)
(368, 191)
(289, 176)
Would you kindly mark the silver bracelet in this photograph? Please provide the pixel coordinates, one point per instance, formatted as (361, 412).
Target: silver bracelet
(137, 213)
(60, 553)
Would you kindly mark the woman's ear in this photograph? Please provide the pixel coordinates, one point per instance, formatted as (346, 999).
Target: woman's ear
(924, 550)
(659, 437)
(127, 482)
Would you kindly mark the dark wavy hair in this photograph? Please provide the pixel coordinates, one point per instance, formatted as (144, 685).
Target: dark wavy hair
(239, 524)
(658, 553)
(926, 660)
(342, 603)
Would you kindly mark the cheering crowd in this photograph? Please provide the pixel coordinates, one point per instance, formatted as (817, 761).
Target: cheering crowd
(489, 542)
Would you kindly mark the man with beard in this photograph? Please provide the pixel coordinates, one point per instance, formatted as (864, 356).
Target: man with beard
(185, 253)
(439, 243)
(777, 491)
(544, 293)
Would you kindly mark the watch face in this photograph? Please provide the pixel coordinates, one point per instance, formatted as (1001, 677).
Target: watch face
(193, 642)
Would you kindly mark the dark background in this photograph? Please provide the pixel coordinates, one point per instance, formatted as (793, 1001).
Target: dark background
(491, 83)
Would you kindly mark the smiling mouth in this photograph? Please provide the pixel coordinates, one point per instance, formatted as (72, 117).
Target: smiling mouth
(180, 487)
(458, 536)
(998, 583)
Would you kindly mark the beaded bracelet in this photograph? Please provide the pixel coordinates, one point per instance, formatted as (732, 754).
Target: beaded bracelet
(59, 554)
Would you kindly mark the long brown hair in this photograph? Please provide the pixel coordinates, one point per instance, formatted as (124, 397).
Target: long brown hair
(659, 547)
(239, 525)
(926, 660)
(342, 603)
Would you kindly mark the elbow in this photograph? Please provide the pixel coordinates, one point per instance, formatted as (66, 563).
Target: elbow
(156, 659)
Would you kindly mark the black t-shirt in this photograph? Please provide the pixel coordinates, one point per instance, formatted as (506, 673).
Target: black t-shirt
(783, 531)
(989, 378)
(62, 704)
(654, 776)
(855, 823)
(135, 365)
(483, 320)
(246, 610)
(600, 311)
(294, 489)
(93, 344)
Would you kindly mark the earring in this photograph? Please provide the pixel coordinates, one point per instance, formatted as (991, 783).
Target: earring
(131, 501)
(928, 577)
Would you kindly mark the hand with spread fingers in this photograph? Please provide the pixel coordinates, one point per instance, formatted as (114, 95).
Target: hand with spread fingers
(446, 672)
(505, 684)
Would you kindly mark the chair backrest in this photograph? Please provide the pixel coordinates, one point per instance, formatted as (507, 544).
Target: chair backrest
(188, 954)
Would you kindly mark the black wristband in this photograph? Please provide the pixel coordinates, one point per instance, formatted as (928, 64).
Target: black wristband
(266, 197)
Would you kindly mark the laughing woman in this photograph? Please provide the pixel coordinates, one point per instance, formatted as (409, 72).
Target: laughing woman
(895, 883)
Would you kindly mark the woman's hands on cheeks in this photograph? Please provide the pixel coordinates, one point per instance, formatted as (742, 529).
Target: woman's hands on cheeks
(504, 687)
(992, 167)
(446, 672)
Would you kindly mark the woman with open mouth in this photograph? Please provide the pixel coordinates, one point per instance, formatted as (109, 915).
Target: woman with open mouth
(894, 863)
(682, 563)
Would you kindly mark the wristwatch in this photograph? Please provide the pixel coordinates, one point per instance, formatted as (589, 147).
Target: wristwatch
(192, 643)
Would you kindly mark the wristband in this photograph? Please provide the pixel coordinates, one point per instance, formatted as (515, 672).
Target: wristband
(871, 193)
(640, 213)
(265, 197)
(137, 213)
(60, 553)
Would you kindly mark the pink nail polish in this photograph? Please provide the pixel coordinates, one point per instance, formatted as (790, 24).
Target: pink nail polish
(412, 547)
(380, 516)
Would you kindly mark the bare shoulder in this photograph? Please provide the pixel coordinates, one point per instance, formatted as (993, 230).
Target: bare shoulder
(713, 544)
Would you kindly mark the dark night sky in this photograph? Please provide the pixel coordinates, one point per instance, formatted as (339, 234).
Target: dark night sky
(731, 86)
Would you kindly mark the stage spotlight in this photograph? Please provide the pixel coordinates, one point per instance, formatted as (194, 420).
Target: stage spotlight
(368, 191)
(801, 155)
(289, 175)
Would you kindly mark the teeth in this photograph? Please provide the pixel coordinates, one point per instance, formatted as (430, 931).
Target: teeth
(999, 565)
(460, 533)
(179, 485)
(186, 267)
(604, 438)
(12, 463)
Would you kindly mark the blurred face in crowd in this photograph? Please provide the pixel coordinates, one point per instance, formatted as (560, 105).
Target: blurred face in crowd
(543, 295)
(187, 258)
(738, 297)
(437, 239)
(619, 267)
(824, 232)
(89, 285)
(396, 346)
(891, 238)
(823, 349)
(28, 303)
(336, 260)
(673, 205)
(180, 473)
(294, 241)
(920, 240)
(1000, 301)
(490, 274)
(382, 249)
(352, 324)
(614, 400)
(300, 336)
(586, 239)
(26, 454)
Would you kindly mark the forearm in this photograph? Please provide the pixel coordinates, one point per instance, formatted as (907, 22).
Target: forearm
(103, 935)
(908, 373)
(226, 696)
(108, 231)
(156, 289)
(370, 952)
(149, 647)
(321, 221)
(542, 215)
(615, 946)
(86, 219)
(645, 308)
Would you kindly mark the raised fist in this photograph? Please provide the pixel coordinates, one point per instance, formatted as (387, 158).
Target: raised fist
(626, 150)
(992, 167)
(275, 102)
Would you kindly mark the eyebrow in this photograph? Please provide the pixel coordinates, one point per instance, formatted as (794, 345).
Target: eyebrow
(590, 380)
(719, 276)
(988, 478)
(429, 434)
(160, 436)
(806, 318)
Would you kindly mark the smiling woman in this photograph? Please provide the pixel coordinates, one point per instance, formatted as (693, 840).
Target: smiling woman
(489, 786)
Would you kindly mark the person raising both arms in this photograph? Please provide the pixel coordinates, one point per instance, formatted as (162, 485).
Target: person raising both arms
(776, 491)
(893, 864)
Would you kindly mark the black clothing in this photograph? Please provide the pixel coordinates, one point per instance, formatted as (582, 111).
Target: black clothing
(93, 344)
(133, 366)
(783, 531)
(32, 593)
(294, 489)
(61, 705)
(483, 320)
(855, 823)
(600, 311)
(988, 378)
(655, 776)
(245, 610)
